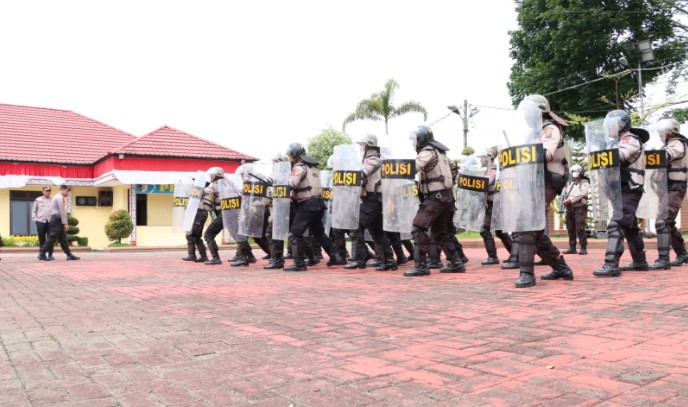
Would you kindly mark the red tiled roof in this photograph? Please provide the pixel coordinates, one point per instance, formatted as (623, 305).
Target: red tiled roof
(35, 134)
(169, 142)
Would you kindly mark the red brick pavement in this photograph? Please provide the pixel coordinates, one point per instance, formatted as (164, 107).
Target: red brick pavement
(146, 329)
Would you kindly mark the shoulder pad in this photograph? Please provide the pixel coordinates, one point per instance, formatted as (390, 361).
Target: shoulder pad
(308, 160)
(439, 146)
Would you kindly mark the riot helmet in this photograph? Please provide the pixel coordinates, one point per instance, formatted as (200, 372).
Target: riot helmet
(669, 127)
(216, 172)
(577, 168)
(616, 122)
(369, 140)
(543, 104)
(296, 150)
(421, 137)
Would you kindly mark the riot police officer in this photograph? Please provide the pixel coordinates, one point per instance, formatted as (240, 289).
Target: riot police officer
(677, 175)
(306, 194)
(575, 199)
(216, 226)
(552, 138)
(437, 208)
(487, 158)
(194, 237)
(370, 216)
(617, 124)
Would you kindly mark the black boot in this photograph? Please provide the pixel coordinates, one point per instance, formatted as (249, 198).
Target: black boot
(510, 265)
(681, 259)
(421, 269)
(240, 262)
(299, 264)
(490, 261)
(525, 280)
(571, 250)
(455, 266)
(191, 251)
(562, 270)
(540, 263)
(388, 265)
(215, 260)
(70, 256)
(42, 257)
(636, 266)
(202, 259)
(312, 261)
(399, 253)
(275, 263)
(662, 263)
(608, 270)
(235, 258)
(583, 251)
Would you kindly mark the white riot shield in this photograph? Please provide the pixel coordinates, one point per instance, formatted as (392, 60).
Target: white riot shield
(471, 195)
(195, 196)
(254, 201)
(181, 200)
(654, 203)
(326, 184)
(399, 190)
(281, 200)
(346, 186)
(495, 223)
(522, 176)
(604, 173)
(230, 201)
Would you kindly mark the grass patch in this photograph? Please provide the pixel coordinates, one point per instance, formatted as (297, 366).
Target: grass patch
(119, 245)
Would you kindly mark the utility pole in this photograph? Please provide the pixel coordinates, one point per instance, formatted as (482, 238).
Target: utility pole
(464, 119)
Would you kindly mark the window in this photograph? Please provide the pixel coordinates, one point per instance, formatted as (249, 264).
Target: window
(21, 203)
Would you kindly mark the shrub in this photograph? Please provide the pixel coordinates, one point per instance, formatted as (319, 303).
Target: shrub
(83, 241)
(120, 226)
(21, 241)
(73, 230)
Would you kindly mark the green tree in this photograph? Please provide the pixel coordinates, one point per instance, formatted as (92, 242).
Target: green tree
(380, 107)
(119, 226)
(561, 44)
(320, 147)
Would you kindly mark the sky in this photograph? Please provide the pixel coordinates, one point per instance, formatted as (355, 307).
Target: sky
(256, 76)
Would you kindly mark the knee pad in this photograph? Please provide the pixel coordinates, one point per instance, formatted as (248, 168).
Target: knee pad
(613, 229)
(417, 230)
(662, 226)
(484, 233)
(525, 238)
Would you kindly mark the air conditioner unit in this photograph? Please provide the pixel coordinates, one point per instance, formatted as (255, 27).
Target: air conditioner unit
(86, 201)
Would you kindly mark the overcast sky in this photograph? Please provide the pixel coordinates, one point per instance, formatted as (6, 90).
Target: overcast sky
(257, 75)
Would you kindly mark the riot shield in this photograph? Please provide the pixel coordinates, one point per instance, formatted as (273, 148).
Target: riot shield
(399, 191)
(195, 196)
(346, 186)
(604, 173)
(181, 200)
(230, 202)
(254, 201)
(281, 199)
(326, 184)
(521, 171)
(495, 223)
(654, 203)
(471, 196)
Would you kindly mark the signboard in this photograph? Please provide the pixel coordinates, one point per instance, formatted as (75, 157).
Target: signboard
(154, 189)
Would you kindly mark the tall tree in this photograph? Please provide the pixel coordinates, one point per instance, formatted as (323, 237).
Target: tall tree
(321, 147)
(569, 51)
(379, 107)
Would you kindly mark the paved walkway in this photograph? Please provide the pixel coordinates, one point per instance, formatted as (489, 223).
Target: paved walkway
(146, 329)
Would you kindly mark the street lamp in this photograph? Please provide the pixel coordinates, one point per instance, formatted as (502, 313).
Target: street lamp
(464, 117)
(646, 55)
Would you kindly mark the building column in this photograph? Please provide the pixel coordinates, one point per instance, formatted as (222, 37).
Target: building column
(132, 213)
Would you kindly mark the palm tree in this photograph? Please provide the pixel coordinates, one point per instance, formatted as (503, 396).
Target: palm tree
(379, 107)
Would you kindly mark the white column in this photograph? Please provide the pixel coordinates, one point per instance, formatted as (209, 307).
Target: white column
(132, 213)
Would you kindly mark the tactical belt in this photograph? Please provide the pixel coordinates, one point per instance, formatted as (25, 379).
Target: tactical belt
(304, 189)
(429, 180)
(677, 169)
(438, 194)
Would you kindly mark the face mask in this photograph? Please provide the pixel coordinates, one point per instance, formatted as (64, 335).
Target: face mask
(575, 174)
(362, 148)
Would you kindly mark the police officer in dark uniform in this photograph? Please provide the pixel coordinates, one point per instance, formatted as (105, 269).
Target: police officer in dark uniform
(632, 179)
(216, 226)
(438, 206)
(306, 193)
(370, 216)
(194, 239)
(486, 158)
(676, 148)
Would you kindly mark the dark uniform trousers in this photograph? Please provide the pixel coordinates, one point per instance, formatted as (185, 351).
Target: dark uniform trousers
(338, 237)
(488, 240)
(370, 218)
(676, 194)
(56, 234)
(264, 241)
(532, 242)
(308, 216)
(43, 229)
(434, 213)
(211, 232)
(193, 239)
(625, 227)
(576, 219)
